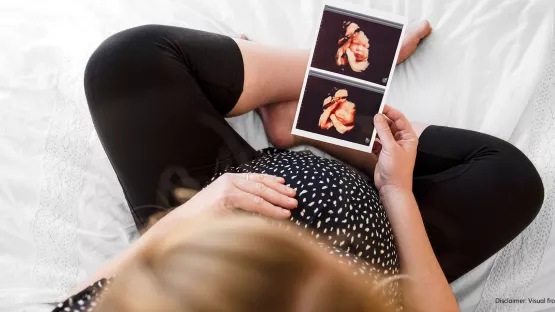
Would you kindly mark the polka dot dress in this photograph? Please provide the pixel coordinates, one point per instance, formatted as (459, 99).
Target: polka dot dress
(336, 206)
(86, 300)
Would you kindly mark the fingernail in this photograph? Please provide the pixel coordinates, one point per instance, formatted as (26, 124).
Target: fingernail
(293, 201)
(285, 212)
(288, 189)
(280, 179)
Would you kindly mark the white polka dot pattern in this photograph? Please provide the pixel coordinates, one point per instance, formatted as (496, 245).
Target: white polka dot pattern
(338, 208)
(86, 300)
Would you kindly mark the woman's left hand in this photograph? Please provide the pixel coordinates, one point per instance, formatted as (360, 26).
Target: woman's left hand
(396, 150)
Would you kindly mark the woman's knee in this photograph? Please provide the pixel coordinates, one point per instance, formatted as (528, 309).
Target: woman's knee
(112, 59)
(534, 188)
(122, 50)
(525, 186)
(135, 59)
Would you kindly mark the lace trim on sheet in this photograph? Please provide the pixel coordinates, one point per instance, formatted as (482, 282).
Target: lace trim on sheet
(517, 264)
(55, 222)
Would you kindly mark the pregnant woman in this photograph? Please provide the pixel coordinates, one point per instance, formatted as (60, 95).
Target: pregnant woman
(441, 200)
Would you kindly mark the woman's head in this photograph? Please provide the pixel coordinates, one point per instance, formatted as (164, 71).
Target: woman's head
(236, 264)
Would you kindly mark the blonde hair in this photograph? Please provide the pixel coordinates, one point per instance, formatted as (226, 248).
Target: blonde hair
(237, 264)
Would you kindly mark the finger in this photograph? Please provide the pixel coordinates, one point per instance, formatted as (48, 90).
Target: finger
(384, 131)
(391, 125)
(273, 183)
(264, 176)
(400, 121)
(406, 137)
(256, 204)
(389, 121)
(268, 194)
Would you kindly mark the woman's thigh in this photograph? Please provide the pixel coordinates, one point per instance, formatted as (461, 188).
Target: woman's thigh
(476, 193)
(157, 96)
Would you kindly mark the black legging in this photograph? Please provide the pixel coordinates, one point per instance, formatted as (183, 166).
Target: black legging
(158, 96)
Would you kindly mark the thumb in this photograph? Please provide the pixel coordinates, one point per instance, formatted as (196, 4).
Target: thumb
(384, 131)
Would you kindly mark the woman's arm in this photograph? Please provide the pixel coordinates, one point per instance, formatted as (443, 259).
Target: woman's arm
(426, 288)
(258, 193)
(111, 268)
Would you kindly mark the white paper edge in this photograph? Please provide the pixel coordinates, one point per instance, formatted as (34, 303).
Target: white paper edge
(370, 12)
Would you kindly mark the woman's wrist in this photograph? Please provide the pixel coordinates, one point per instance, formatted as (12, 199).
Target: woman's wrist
(397, 201)
(389, 191)
(170, 220)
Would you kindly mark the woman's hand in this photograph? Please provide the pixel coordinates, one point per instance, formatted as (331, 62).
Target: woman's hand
(396, 150)
(252, 192)
(257, 193)
(427, 288)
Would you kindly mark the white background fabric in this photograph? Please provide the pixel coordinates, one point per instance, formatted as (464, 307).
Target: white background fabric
(487, 66)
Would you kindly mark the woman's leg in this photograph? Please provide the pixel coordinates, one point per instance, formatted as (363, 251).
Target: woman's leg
(275, 75)
(475, 192)
(158, 93)
(278, 116)
(157, 96)
(272, 75)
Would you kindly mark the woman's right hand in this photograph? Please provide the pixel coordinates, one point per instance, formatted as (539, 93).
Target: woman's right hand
(257, 193)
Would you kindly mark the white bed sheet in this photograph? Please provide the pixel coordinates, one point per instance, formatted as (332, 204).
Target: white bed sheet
(486, 67)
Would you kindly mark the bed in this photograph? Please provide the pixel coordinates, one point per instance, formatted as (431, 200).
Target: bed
(489, 66)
